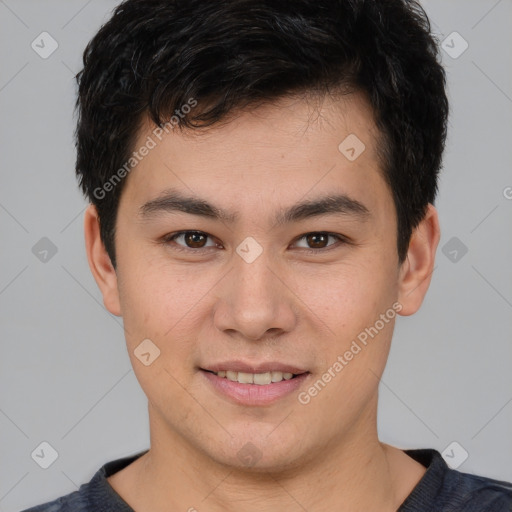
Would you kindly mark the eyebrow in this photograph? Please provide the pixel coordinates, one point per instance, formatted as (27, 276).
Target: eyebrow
(172, 201)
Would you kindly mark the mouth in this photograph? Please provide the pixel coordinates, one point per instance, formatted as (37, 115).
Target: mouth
(260, 379)
(254, 386)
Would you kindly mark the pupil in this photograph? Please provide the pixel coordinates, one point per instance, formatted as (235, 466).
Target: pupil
(194, 238)
(311, 240)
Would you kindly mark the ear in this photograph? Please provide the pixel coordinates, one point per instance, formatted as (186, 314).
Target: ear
(416, 270)
(99, 262)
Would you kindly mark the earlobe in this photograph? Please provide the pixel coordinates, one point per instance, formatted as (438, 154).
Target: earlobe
(99, 262)
(416, 270)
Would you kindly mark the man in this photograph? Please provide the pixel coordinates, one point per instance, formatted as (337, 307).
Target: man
(262, 177)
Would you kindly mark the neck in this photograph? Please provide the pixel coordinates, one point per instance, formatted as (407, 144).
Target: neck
(355, 473)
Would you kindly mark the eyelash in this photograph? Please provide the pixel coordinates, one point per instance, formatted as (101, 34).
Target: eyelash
(172, 236)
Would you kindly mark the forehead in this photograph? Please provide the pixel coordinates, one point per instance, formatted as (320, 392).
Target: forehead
(289, 122)
(289, 147)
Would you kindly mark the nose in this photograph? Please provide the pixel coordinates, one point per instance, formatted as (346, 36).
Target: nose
(255, 301)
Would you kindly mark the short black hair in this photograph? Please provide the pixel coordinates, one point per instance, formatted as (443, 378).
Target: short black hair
(154, 57)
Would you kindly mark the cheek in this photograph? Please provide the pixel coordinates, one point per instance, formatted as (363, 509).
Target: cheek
(348, 309)
(163, 304)
(155, 308)
(153, 295)
(349, 295)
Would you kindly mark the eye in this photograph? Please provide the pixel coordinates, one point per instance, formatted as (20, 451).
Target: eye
(193, 240)
(196, 241)
(317, 240)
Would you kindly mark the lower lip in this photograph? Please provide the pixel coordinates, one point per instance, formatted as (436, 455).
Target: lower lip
(254, 394)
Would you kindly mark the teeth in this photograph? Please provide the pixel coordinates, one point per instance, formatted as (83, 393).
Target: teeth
(261, 379)
(277, 376)
(232, 376)
(245, 378)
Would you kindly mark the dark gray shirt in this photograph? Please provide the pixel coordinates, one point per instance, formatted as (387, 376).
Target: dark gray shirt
(440, 490)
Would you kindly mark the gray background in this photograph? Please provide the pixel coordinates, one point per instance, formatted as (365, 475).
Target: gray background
(65, 375)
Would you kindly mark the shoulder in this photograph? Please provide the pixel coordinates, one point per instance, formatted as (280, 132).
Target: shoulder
(479, 493)
(97, 495)
(75, 502)
(444, 489)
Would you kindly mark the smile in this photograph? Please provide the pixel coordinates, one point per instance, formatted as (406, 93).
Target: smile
(254, 389)
(261, 379)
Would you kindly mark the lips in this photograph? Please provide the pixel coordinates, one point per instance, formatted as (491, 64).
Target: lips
(259, 374)
(254, 384)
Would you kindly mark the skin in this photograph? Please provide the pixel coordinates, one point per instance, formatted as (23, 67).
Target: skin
(287, 305)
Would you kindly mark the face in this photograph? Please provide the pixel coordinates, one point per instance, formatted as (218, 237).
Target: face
(261, 247)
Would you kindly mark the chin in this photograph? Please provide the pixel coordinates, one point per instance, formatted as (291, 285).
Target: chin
(261, 454)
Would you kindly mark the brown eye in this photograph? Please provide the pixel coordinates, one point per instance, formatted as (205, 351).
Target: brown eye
(195, 240)
(317, 240)
(190, 240)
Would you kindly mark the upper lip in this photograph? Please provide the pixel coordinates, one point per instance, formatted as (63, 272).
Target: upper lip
(264, 367)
